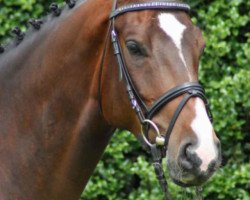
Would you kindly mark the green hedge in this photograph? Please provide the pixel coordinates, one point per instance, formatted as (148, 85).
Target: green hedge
(125, 172)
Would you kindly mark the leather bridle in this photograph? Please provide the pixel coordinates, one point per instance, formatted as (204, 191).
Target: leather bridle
(144, 113)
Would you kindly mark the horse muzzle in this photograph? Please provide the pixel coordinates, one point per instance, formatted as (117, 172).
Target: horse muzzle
(190, 167)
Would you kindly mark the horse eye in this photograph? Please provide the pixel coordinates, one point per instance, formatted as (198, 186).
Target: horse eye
(135, 49)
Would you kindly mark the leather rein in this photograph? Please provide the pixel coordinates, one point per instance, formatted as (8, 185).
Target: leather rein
(144, 113)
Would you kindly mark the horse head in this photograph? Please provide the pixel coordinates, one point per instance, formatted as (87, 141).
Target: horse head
(139, 65)
(158, 50)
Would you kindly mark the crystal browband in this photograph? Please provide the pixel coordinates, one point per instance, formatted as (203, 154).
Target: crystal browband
(150, 5)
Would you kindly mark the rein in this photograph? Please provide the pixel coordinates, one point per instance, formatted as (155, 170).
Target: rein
(144, 113)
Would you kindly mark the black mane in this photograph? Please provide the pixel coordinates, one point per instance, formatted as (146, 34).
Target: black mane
(34, 25)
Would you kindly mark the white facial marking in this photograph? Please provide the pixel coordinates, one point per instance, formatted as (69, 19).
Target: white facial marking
(203, 129)
(174, 29)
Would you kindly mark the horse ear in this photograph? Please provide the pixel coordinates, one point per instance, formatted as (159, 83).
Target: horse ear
(1, 49)
(71, 3)
(54, 8)
(19, 34)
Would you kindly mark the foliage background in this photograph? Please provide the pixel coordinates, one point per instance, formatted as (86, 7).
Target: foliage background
(125, 172)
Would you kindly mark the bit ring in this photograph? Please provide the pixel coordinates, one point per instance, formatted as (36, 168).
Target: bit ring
(155, 129)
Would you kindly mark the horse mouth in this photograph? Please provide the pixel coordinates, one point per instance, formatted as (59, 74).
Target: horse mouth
(186, 182)
(187, 178)
(180, 183)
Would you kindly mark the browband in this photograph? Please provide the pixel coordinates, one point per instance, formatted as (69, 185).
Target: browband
(150, 6)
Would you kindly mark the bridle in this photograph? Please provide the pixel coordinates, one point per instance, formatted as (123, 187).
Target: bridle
(144, 113)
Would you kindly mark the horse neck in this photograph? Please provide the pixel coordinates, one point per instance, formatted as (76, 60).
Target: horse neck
(51, 131)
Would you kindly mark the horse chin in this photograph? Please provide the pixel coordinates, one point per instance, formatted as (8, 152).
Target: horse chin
(186, 179)
(189, 183)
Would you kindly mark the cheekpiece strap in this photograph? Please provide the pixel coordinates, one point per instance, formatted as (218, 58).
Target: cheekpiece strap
(150, 6)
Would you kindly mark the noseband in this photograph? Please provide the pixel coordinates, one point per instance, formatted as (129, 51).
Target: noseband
(144, 113)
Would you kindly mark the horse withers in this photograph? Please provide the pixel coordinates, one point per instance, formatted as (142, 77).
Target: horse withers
(63, 92)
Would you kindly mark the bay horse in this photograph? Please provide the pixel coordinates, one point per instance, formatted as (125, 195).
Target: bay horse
(96, 66)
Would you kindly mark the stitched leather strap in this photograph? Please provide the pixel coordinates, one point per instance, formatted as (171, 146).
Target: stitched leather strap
(150, 6)
(174, 93)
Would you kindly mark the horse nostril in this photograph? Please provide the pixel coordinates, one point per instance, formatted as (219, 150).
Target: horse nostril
(184, 157)
(188, 159)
